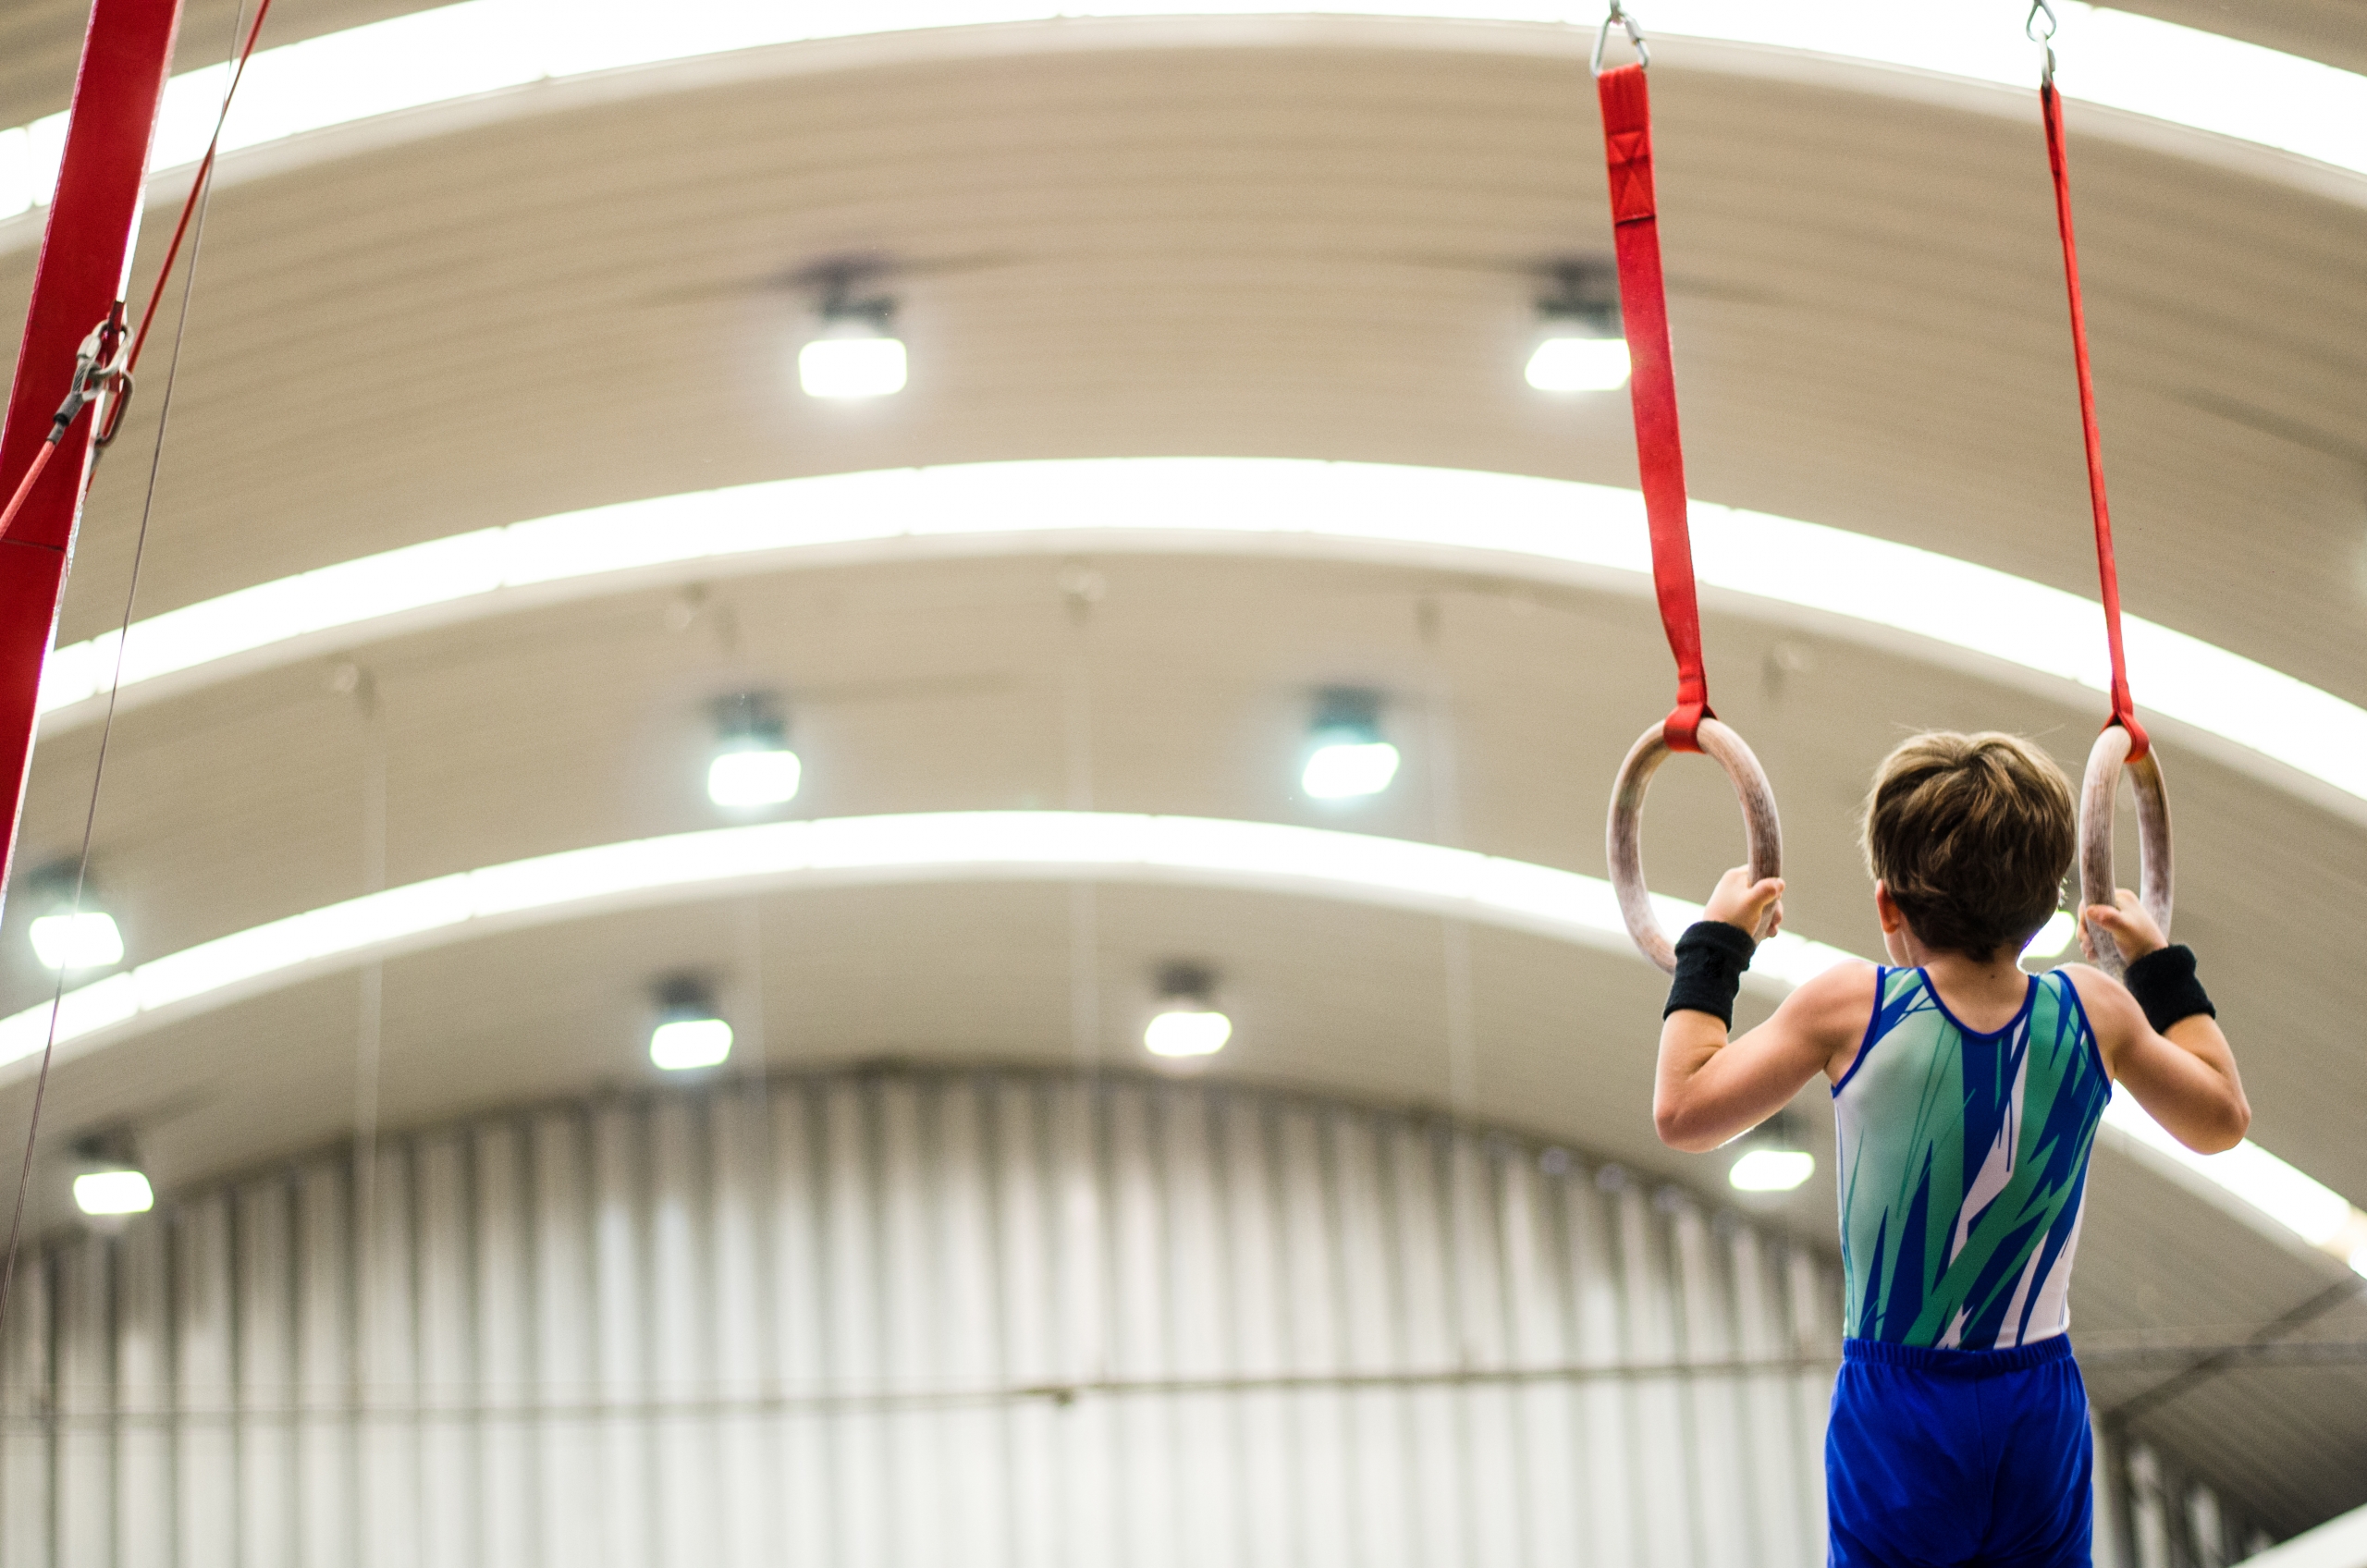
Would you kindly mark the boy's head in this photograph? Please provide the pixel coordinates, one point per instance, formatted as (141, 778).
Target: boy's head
(1971, 835)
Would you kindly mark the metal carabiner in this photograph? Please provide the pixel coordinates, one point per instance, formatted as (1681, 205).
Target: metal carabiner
(1634, 37)
(111, 410)
(2046, 40)
(82, 388)
(99, 377)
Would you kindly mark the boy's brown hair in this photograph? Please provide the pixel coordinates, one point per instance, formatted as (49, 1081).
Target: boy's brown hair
(1973, 834)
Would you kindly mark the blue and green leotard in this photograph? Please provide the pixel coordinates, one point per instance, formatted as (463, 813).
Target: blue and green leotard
(1964, 1166)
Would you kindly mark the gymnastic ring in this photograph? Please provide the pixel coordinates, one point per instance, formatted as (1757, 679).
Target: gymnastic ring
(2099, 798)
(1763, 833)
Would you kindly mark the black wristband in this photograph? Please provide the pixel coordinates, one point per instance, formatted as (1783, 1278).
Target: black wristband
(2163, 984)
(1710, 958)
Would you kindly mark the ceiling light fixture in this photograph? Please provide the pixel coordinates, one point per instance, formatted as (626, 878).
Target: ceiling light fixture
(856, 352)
(1772, 1171)
(1347, 757)
(1583, 348)
(70, 935)
(83, 940)
(108, 1183)
(113, 1192)
(753, 765)
(689, 1032)
(1187, 1022)
(1772, 1159)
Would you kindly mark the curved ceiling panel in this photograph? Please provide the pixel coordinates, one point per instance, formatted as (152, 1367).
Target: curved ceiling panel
(1892, 596)
(997, 846)
(940, 846)
(1335, 281)
(2173, 88)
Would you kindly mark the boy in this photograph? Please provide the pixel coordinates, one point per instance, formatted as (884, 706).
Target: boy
(1967, 1095)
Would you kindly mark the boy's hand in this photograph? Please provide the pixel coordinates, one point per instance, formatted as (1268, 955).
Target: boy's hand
(2129, 923)
(1740, 901)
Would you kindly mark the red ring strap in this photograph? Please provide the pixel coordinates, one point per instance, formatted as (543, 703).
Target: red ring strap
(2124, 708)
(196, 187)
(1660, 454)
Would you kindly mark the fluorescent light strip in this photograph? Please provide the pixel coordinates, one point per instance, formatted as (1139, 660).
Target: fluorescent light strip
(952, 846)
(2177, 76)
(979, 846)
(1896, 596)
(2303, 1205)
(938, 847)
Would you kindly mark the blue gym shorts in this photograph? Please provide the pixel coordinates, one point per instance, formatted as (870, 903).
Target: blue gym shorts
(1959, 1457)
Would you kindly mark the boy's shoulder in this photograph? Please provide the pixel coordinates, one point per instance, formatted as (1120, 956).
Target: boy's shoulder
(1836, 1002)
(1851, 978)
(2091, 982)
(2104, 1000)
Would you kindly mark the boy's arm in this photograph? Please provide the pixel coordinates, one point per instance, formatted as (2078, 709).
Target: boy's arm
(1709, 1089)
(2184, 1077)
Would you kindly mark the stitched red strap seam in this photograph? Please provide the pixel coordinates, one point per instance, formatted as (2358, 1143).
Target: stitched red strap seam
(1660, 455)
(2124, 708)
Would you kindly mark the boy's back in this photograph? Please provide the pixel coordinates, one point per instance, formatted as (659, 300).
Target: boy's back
(1967, 1097)
(1964, 1164)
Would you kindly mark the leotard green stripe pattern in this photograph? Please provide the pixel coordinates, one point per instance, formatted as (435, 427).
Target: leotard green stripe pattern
(1964, 1166)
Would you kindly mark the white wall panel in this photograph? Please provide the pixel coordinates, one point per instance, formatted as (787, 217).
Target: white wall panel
(911, 1320)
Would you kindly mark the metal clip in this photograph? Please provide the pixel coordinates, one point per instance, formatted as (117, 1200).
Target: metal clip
(2029, 30)
(1634, 37)
(99, 377)
(118, 398)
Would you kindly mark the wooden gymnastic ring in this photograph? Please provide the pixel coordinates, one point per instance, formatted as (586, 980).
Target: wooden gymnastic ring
(1762, 831)
(2099, 798)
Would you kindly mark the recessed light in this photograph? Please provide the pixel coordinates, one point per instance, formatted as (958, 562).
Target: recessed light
(1343, 770)
(1772, 1171)
(1187, 1022)
(856, 365)
(856, 353)
(681, 1043)
(1579, 364)
(85, 940)
(1583, 349)
(754, 776)
(114, 1191)
(1187, 1034)
(753, 767)
(689, 1032)
(1347, 756)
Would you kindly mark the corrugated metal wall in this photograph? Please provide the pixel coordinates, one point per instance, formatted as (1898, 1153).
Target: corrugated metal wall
(2175, 1522)
(913, 1317)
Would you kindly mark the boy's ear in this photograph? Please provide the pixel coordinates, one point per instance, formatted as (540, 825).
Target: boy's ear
(1887, 908)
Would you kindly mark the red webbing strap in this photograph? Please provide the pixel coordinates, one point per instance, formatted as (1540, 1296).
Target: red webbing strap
(164, 272)
(2124, 709)
(85, 253)
(25, 487)
(1660, 455)
(196, 187)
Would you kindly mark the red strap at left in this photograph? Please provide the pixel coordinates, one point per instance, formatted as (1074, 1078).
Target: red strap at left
(85, 254)
(1660, 455)
(2124, 708)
